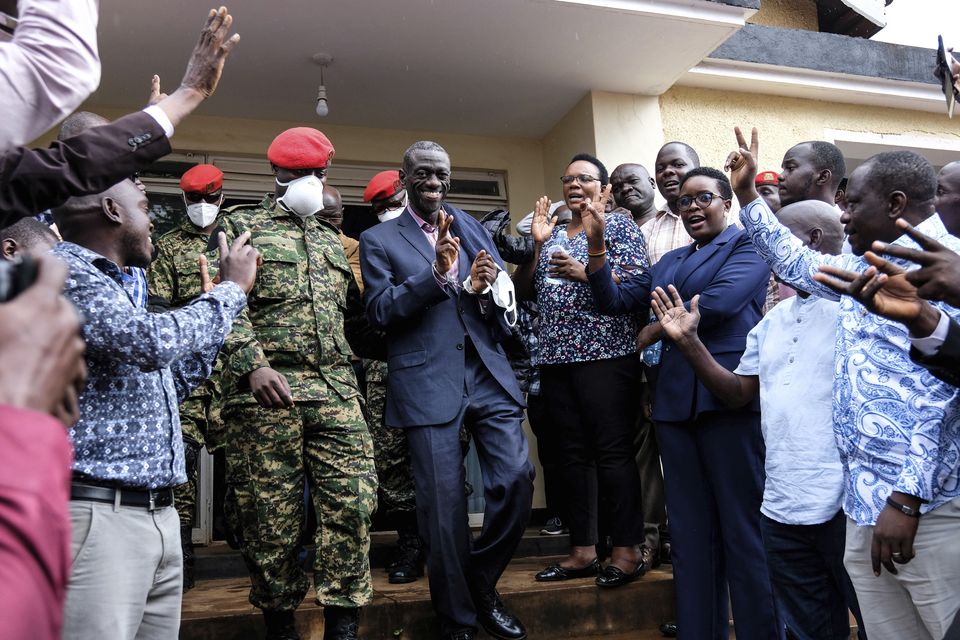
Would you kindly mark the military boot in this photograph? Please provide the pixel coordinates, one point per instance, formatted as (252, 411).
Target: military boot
(341, 623)
(280, 625)
(409, 563)
(186, 547)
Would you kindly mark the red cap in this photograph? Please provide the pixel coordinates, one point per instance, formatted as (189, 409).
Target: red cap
(300, 148)
(767, 177)
(202, 178)
(383, 185)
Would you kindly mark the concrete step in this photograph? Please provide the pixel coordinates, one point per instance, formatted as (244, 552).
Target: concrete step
(218, 560)
(218, 609)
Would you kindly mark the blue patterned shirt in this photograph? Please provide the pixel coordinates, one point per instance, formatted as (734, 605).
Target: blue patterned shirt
(571, 327)
(135, 281)
(140, 366)
(896, 425)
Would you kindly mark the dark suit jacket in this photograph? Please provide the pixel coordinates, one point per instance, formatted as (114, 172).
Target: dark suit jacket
(731, 279)
(945, 364)
(33, 180)
(426, 324)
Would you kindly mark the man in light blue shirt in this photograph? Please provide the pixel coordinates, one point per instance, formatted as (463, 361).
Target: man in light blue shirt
(897, 425)
(786, 354)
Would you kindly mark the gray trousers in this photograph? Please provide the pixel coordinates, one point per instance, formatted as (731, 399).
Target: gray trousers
(651, 482)
(921, 601)
(126, 582)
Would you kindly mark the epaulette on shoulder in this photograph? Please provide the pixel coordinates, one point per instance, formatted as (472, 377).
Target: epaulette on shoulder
(169, 234)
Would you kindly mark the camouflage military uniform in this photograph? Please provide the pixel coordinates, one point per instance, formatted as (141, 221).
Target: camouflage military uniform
(174, 275)
(394, 469)
(294, 323)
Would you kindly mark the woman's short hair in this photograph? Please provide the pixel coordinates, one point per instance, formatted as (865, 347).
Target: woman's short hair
(723, 183)
(586, 157)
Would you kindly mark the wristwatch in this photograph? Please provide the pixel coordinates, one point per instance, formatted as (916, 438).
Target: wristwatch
(902, 508)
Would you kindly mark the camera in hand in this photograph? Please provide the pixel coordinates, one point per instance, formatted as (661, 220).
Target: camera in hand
(16, 277)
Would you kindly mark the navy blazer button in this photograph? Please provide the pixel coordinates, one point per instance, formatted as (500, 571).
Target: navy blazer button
(460, 347)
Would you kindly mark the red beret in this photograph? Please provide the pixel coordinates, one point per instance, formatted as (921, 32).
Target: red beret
(202, 178)
(767, 177)
(300, 148)
(383, 185)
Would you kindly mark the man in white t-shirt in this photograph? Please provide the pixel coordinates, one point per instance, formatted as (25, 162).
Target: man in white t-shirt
(785, 359)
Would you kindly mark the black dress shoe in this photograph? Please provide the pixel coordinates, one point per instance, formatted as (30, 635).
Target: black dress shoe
(612, 576)
(669, 629)
(493, 616)
(556, 573)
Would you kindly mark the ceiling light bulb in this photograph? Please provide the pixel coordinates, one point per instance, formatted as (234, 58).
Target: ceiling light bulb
(322, 107)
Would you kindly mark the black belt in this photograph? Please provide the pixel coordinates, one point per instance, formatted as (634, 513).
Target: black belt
(150, 499)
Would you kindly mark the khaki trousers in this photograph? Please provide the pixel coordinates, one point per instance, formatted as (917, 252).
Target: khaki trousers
(126, 582)
(921, 601)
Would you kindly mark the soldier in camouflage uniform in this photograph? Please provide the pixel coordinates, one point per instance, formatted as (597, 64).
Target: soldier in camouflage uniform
(174, 280)
(387, 198)
(291, 393)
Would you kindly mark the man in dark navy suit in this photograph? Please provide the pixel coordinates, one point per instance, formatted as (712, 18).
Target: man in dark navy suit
(429, 275)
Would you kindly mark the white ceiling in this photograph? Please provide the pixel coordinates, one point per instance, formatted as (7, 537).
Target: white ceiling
(489, 67)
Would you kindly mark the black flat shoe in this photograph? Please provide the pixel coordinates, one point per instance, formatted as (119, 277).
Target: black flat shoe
(669, 629)
(612, 576)
(556, 573)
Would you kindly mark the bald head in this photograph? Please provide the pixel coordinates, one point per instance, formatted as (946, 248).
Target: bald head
(816, 223)
(948, 197)
(79, 122)
(332, 210)
(633, 189)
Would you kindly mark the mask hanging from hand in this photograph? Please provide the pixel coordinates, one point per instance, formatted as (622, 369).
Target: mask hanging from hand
(202, 214)
(505, 297)
(303, 197)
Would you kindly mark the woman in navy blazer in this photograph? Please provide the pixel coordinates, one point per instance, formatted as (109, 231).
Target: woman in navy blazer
(712, 456)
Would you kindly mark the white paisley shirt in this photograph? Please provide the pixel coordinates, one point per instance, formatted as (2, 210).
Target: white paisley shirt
(140, 366)
(897, 426)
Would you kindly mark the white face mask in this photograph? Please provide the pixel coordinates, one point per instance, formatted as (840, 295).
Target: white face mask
(390, 214)
(304, 196)
(202, 214)
(505, 297)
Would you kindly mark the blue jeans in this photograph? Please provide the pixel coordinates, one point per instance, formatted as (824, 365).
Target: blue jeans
(811, 585)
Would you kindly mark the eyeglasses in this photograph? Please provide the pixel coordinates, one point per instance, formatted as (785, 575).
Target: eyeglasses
(581, 179)
(196, 196)
(704, 198)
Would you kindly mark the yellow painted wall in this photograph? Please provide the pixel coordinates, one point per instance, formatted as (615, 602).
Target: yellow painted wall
(627, 128)
(705, 118)
(573, 134)
(520, 158)
(790, 14)
(615, 127)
